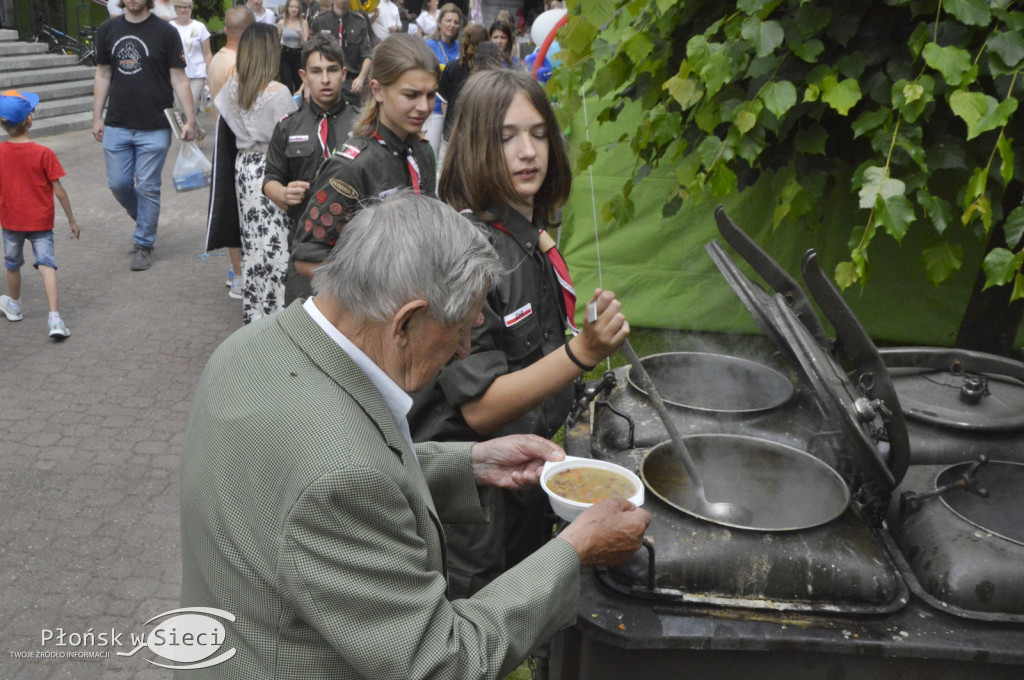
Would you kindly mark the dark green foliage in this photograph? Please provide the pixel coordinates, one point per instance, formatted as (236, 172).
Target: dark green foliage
(915, 101)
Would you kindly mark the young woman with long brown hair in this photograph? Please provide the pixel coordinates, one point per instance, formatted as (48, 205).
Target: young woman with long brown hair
(294, 32)
(251, 103)
(508, 168)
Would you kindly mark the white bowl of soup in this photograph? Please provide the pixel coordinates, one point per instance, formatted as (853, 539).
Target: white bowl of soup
(574, 484)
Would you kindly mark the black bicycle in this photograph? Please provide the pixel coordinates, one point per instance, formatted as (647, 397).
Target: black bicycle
(62, 43)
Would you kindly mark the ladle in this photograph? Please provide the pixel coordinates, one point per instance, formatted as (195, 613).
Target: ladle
(729, 513)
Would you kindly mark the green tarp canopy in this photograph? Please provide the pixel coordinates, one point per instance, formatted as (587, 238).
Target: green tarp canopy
(659, 268)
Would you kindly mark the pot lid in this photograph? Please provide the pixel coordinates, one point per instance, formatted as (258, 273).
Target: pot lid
(866, 457)
(958, 389)
(867, 413)
(768, 269)
(753, 297)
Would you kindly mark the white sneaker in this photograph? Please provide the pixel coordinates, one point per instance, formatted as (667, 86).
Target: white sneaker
(7, 306)
(236, 289)
(58, 330)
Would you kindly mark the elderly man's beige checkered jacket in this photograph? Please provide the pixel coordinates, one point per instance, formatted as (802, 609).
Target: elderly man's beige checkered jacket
(305, 514)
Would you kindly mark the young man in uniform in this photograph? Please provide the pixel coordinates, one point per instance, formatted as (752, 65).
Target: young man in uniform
(305, 139)
(352, 32)
(140, 67)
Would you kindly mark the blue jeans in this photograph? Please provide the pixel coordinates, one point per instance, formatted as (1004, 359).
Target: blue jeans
(135, 161)
(14, 248)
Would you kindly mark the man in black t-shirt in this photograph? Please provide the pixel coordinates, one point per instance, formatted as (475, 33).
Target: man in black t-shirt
(141, 66)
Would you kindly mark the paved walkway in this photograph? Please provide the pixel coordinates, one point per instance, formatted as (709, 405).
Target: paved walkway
(91, 429)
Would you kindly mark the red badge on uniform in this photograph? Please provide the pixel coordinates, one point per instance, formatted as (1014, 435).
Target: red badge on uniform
(321, 196)
(335, 208)
(326, 220)
(349, 152)
(319, 232)
(309, 224)
(518, 315)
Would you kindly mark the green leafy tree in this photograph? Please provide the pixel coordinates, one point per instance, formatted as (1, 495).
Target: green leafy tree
(204, 10)
(911, 105)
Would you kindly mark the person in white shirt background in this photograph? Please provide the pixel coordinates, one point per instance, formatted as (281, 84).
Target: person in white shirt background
(164, 9)
(262, 14)
(195, 39)
(387, 20)
(427, 19)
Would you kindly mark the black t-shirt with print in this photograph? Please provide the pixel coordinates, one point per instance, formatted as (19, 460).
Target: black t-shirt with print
(141, 56)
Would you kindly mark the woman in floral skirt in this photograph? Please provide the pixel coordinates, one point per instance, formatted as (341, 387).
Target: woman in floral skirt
(252, 103)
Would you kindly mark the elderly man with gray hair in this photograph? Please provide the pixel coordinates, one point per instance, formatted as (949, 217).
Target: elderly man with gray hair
(309, 516)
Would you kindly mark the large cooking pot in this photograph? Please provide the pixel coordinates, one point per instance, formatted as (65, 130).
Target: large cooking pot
(961, 531)
(785, 489)
(715, 383)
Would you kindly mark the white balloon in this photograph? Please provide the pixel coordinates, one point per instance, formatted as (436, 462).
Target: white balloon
(543, 24)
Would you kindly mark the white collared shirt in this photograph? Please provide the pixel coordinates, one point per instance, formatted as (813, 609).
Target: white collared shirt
(395, 398)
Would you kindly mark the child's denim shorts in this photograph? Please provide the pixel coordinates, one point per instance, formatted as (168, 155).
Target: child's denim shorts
(14, 246)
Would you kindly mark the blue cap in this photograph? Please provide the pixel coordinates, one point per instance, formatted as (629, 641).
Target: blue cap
(15, 106)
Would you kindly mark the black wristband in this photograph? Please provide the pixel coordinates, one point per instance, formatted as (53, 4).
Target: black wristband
(572, 357)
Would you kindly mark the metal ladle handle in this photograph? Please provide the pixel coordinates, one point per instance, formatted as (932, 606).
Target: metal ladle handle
(666, 418)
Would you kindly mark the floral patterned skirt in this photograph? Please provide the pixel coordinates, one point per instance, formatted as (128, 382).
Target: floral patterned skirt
(264, 229)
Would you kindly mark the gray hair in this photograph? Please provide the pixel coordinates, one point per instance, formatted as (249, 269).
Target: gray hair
(409, 247)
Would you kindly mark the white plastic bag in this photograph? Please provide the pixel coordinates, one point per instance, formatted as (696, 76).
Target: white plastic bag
(192, 170)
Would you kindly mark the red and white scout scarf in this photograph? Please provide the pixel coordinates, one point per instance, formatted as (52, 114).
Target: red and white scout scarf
(547, 246)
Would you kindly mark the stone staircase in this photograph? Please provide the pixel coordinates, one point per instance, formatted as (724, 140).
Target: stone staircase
(64, 89)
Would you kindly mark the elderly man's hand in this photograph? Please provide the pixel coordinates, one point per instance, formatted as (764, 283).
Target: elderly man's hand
(607, 533)
(513, 462)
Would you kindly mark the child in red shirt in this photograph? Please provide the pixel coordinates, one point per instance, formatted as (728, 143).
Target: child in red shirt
(29, 179)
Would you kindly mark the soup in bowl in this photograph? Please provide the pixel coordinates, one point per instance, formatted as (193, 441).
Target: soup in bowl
(574, 484)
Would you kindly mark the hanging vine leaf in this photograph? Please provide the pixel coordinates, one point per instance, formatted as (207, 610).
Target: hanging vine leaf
(840, 95)
(1009, 45)
(911, 105)
(980, 111)
(937, 210)
(779, 97)
(941, 260)
(895, 213)
(765, 36)
(970, 12)
(1014, 227)
(1001, 266)
(953, 63)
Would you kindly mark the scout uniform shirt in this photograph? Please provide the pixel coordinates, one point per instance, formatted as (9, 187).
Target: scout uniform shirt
(296, 151)
(523, 321)
(353, 34)
(362, 169)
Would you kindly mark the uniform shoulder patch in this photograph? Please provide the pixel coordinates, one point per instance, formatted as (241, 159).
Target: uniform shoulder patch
(349, 151)
(344, 189)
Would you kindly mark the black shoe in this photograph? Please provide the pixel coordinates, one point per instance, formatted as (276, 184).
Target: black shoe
(143, 259)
